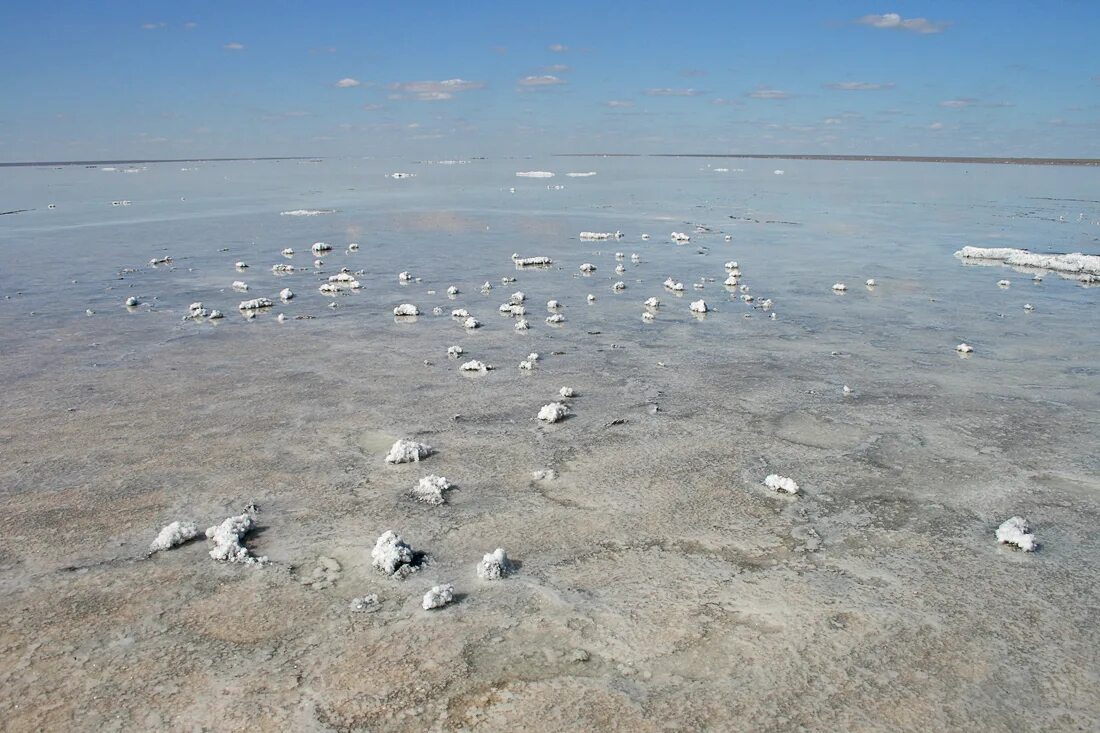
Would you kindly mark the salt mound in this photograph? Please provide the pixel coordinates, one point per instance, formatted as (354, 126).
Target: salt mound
(227, 540)
(471, 322)
(321, 247)
(673, 285)
(785, 484)
(840, 287)
(553, 412)
(652, 303)
(1075, 265)
(255, 304)
(556, 318)
(475, 366)
(307, 212)
(440, 595)
(584, 174)
(566, 392)
(430, 489)
(406, 309)
(408, 451)
(531, 261)
(587, 267)
(174, 535)
(534, 174)
(1016, 532)
(286, 294)
(494, 565)
(680, 237)
(964, 348)
(392, 556)
(131, 302)
(699, 306)
(240, 285)
(454, 351)
(600, 236)
(522, 325)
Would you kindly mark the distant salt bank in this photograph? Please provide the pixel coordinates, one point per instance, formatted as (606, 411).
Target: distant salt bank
(1075, 265)
(534, 174)
(307, 212)
(586, 174)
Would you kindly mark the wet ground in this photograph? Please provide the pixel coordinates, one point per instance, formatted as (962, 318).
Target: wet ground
(659, 585)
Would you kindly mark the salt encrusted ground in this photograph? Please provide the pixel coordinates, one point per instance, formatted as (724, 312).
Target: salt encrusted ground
(657, 582)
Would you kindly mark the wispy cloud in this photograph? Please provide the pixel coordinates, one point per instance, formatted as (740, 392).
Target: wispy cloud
(768, 93)
(557, 48)
(190, 25)
(432, 91)
(556, 69)
(958, 103)
(859, 86)
(373, 107)
(348, 83)
(153, 26)
(936, 126)
(529, 83)
(693, 73)
(896, 22)
(619, 103)
(668, 92)
(234, 46)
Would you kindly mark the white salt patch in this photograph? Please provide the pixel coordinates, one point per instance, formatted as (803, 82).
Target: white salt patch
(366, 604)
(353, 247)
(648, 316)
(652, 303)
(585, 174)
(553, 412)
(408, 451)
(1075, 265)
(1028, 307)
(392, 556)
(286, 294)
(452, 290)
(281, 318)
(517, 297)
(240, 285)
(673, 285)
(840, 287)
(534, 174)
(282, 269)
(255, 304)
(475, 366)
(591, 298)
(1016, 532)
(131, 301)
(620, 285)
(430, 490)
(680, 237)
(288, 252)
(487, 286)
(400, 176)
(321, 247)
(529, 261)
(730, 281)
(471, 322)
(645, 236)
(454, 351)
(556, 318)
(544, 474)
(527, 365)
(964, 348)
(307, 212)
(406, 309)
(587, 267)
(601, 236)
(784, 484)
(522, 325)
(174, 535)
(241, 265)
(731, 265)
(871, 283)
(494, 565)
(404, 277)
(215, 315)
(1003, 283)
(440, 595)
(699, 306)
(460, 313)
(227, 538)
(553, 305)
(566, 392)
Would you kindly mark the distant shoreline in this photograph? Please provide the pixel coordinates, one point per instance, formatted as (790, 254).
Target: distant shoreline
(855, 158)
(160, 160)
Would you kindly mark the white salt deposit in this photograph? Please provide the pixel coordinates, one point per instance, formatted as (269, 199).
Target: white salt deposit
(530, 261)
(240, 285)
(227, 538)
(471, 322)
(241, 265)
(674, 285)
(1029, 307)
(429, 490)
(1016, 532)
(319, 247)
(475, 366)
(522, 325)
(494, 565)
(282, 269)
(680, 237)
(652, 303)
(454, 351)
(404, 277)
(784, 484)
(288, 252)
(587, 267)
(566, 392)
(731, 265)
(871, 283)
(645, 236)
(440, 595)
(392, 556)
(534, 174)
(699, 306)
(406, 309)
(215, 315)
(517, 297)
(131, 301)
(527, 365)
(584, 174)
(401, 176)
(452, 290)
(286, 294)
(366, 604)
(1003, 283)
(648, 316)
(460, 313)
(174, 535)
(556, 318)
(408, 451)
(1075, 265)
(591, 298)
(840, 287)
(553, 412)
(255, 304)
(553, 305)
(964, 348)
(730, 281)
(601, 236)
(307, 212)
(620, 285)
(353, 247)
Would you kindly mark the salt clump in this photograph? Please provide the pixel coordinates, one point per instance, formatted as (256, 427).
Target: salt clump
(475, 366)
(471, 322)
(871, 283)
(652, 303)
(840, 287)
(406, 309)
(517, 297)
(286, 294)
(552, 305)
(307, 212)
(964, 348)
(392, 556)
(240, 285)
(1016, 532)
(587, 267)
(131, 301)
(553, 412)
(255, 304)
(494, 565)
(452, 290)
(408, 451)
(673, 285)
(1003, 283)
(534, 174)
(600, 236)
(785, 484)
(174, 535)
(454, 351)
(319, 247)
(1076, 265)
(699, 306)
(227, 540)
(241, 265)
(530, 261)
(430, 489)
(680, 237)
(440, 595)
(404, 277)
(288, 252)
(620, 285)
(460, 313)
(566, 392)
(282, 269)
(522, 325)
(556, 318)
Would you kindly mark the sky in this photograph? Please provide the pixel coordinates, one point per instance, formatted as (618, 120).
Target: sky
(423, 80)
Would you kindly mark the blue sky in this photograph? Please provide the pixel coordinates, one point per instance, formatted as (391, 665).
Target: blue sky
(424, 79)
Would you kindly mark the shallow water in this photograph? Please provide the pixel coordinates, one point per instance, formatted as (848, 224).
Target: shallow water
(661, 585)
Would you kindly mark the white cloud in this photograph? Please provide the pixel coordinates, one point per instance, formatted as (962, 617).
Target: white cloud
(936, 126)
(958, 103)
(667, 92)
(432, 91)
(619, 103)
(766, 93)
(190, 25)
(373, 107)
(152, 26)
(558, 48)
(546, 80)
(831, 121)
(556, 69)
(896, 22)
(234, 46)
(348, 83)
(859, 86)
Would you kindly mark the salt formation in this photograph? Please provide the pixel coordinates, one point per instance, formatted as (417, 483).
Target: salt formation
(673, 285)
(174, 535)
(430, 490)
(729, 238)
(161, 261)
(699, 306)
(619, 269)
(731, 281)
(215, 315)
(1076, 265)
(591, 298)
(288, 252)
(241, 265)
(460, 313)
(353, 247)
(566, 392)
(552, 305)
(635, 257)
(652, 303)
(645, 237)
(392, 556)
(319, 247)
(494, 565)
(240, 285)
(196, 311)
(227, 540)
(452, 290)
(404, 277)
(400, 176)
(286, 294)
(680, 237)
(307, 212)
(871, 283)
(281, 318)
(255, 304)
(471, 322)
(440, 595)
(731, 265)
(648, 316)
(534, 174)
(366, 604)
(522, 325)
(406, 309)
(556, 318)
(1016, 532)
(1029, 307)
(584, 174)
(517, 297)
(620, 285)
(282, 269)
(840, 287)
(475, 366)
(131, 301)
(964, 348)
(512, 309)
(553, 412)
(601, 236)
(530, 261)
(454, 351)
(587, 267)
(486, 287)
(785, 484)
(408, 451)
